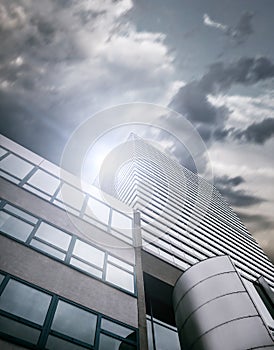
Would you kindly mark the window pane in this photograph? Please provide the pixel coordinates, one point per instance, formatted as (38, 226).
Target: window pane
(74, 322)
(44, 181)
(85, 267)
(98, 210)
(108, 343)
(89, 253)
(120, 221)
(55, 343)
(165, 338)
(118, 329)
(120, 263)
(20, 213)
(19, 330)
(47, 249)
(120, 278)
(71, 196)
(149, 335)
(1, 278)
(24, 301)
(53, 235)
(16, 166)
(14, 227)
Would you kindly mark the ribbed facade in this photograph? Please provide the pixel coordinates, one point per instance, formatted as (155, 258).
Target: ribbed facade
(184, 218)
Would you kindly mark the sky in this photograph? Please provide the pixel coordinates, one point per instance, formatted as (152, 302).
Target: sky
(210, 63)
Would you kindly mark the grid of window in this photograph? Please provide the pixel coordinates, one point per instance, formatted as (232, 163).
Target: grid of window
(61, 245)
(80, 203)
(36, 318)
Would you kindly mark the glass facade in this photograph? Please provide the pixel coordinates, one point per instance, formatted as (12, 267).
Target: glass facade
(76, 201)
(36, 318)
(59, 244)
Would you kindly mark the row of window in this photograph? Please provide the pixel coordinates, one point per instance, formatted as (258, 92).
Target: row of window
(36, 318)
(62, 194)
(38, 234)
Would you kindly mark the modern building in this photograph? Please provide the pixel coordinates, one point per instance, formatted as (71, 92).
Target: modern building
(160, 262)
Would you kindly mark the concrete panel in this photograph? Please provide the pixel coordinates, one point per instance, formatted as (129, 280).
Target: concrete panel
(58, 278)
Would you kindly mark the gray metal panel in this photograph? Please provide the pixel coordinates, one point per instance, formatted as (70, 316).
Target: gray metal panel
(243, 334)
(202, 293)
(217, 312)
(199, 272)
(213, 309)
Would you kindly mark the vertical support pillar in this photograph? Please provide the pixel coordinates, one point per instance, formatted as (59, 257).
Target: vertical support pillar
(141, 303)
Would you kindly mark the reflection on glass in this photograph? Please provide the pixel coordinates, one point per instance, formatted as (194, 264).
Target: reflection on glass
(53, 235)
(14, 227)
(89, 253)
(108, 343)
(120, 263)
(20, 213)
(47, 249)
(1, 278)
(98, 210)
(166, 338)
(120, 221)
(120, 278)
(24, 301)
(149, 335)
(74, 322)
(71, 196)
(55, 343)
(118, 329)
(16, 166)
(19, 330)
(85, 267)
(44, 181)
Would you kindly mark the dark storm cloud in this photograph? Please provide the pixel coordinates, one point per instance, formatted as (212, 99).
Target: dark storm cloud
(235, 197)
(257, 132)
(192, 99)
(243, 29)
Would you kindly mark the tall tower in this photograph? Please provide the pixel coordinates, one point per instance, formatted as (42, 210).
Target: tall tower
(186, 222)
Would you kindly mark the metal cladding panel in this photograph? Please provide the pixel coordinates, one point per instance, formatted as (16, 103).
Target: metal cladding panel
(242, 334)
(202, 293)
(199, 272)
(213, 309)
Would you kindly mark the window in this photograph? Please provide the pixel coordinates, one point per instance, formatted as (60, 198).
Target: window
(14, 227)
(74, 322)
(63, 246)
(26, 313)
(24, 301)
(44, 182)
(15, 166)
(98, 210)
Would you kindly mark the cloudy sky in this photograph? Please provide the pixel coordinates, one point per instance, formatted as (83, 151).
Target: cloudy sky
(61, 61)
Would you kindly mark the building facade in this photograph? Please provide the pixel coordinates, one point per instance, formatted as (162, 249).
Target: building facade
(160, 255)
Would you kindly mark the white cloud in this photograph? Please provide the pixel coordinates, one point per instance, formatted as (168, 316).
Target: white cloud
(209, 22)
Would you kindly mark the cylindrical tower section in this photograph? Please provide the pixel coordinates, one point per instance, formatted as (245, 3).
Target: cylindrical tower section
(214, 311)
